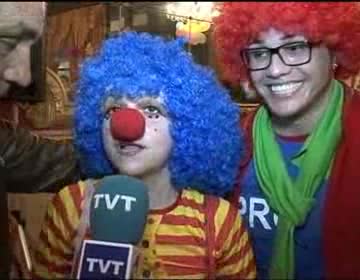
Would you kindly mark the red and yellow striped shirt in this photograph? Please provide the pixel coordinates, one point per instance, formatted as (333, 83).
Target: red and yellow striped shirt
(174, 244)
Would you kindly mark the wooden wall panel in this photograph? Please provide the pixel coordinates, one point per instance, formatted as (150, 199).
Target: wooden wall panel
(75, 30)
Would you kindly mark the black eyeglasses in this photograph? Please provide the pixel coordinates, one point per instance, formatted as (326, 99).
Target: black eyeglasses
(292, 54)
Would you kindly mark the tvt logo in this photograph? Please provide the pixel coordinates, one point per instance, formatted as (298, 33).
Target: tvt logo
(104, 266)
(257, 212)
(111, 202)
(104, 260)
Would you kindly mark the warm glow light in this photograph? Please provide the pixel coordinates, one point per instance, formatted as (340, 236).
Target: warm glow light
(198, 11)
(193, 18)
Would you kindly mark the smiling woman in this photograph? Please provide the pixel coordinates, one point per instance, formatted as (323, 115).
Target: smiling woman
(303, 135)
(290, 74)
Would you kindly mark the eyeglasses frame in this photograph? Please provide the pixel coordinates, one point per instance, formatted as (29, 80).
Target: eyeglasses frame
(276, 51)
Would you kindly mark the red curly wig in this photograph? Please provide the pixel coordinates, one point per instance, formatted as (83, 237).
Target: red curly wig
(336, 24)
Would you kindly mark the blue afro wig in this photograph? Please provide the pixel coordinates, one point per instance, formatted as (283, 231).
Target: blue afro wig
(204, 120)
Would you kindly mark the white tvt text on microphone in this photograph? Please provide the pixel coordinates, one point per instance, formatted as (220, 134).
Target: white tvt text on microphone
(111, 202)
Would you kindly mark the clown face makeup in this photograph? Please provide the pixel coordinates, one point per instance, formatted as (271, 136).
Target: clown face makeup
(158, 72)
(291, 90)
(136, 136)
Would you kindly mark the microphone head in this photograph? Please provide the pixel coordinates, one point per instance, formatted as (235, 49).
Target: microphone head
(119, 210)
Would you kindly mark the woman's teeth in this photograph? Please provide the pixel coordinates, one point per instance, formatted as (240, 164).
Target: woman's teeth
(283, 89)
(129, 149)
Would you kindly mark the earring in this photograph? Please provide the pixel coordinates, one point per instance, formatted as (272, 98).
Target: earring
(335, 66)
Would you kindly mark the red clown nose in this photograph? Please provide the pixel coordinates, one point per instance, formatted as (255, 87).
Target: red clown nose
(127, 124)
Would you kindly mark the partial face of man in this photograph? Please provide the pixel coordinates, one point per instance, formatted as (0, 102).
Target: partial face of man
(21, 25)
(145, 150)
(289, 84)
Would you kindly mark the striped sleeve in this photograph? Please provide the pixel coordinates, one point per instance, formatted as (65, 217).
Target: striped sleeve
(234, 254)
(53, 257)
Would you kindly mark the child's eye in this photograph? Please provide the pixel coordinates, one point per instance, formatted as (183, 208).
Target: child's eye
(152, 110)
(110, 111)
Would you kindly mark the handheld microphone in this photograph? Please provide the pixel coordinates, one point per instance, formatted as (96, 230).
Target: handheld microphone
(118, 214)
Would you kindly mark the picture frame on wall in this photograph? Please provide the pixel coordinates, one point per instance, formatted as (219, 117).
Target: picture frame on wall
(73, 32)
